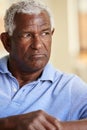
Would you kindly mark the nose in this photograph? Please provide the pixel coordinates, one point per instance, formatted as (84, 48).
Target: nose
(36, 42)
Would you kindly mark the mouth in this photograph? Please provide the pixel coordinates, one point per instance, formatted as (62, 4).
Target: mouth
(37, 56)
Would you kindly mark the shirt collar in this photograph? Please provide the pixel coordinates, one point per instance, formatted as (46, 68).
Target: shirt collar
(48, 72)
(3, 65)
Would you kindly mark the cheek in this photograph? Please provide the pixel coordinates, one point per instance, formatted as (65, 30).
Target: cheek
(48, 45)
(16, 50)
(19, 47)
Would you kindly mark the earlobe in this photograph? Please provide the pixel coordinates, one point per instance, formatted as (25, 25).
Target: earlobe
(6, 41)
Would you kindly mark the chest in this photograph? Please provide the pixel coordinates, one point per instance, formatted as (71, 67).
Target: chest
(35, 96)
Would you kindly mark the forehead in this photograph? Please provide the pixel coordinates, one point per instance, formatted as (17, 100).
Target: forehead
(22, 20)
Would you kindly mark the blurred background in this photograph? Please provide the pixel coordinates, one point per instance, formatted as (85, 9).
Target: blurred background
(69, 48)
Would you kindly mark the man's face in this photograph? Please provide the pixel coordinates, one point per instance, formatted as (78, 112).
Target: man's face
(31, 41)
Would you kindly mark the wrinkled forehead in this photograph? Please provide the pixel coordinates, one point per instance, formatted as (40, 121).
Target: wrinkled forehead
(25, 20)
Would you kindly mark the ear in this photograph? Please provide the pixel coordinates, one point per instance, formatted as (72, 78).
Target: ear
(53, 30)
(5, 38)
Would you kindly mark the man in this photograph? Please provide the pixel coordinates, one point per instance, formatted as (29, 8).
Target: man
(34, 95)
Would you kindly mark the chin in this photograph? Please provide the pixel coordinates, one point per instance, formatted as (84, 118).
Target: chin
(37, 67)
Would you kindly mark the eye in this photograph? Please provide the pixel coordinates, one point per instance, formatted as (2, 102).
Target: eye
(26, 35)
(45, 33)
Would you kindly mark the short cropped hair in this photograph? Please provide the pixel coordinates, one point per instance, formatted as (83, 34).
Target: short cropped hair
(27, 7)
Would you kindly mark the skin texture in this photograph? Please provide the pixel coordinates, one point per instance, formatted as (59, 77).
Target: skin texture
(29, 51)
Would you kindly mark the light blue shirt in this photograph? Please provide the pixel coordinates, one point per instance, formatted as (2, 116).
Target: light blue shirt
(62, 95)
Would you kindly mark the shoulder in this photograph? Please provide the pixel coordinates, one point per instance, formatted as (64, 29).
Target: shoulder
(70, 82)
(3, 64)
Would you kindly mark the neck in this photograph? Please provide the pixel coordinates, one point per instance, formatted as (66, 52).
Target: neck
(24, 77)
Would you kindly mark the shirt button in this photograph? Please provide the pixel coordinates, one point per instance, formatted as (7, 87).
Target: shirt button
(14, 89)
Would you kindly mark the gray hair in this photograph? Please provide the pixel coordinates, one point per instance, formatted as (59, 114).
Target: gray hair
(27, 7)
